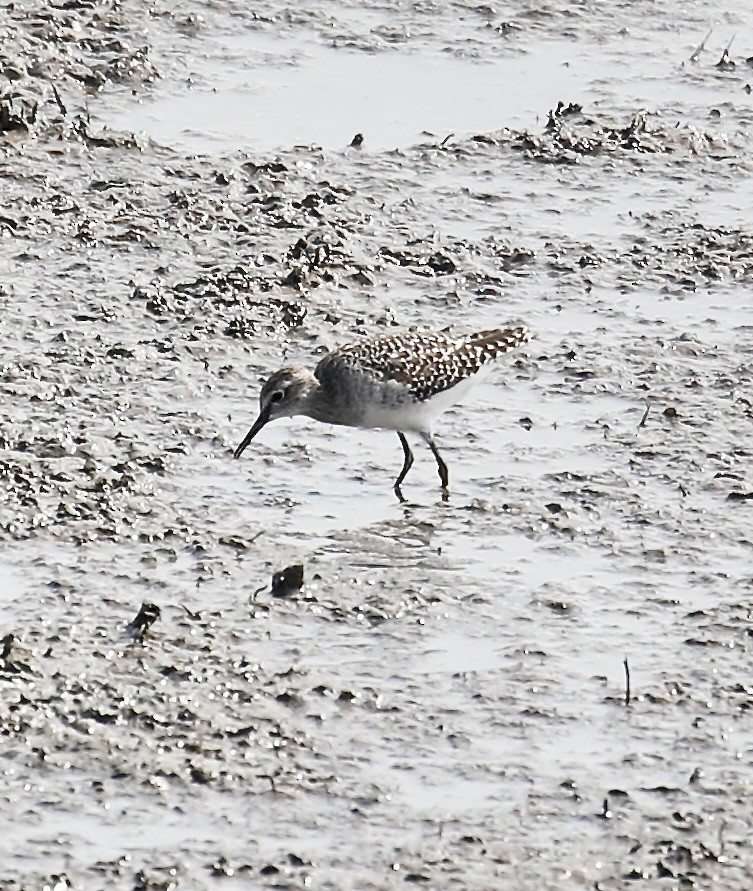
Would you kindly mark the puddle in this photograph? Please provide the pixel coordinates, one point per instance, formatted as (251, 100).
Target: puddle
(255, 92)
(305, 480)
(452, 651)
(446, 796)
(279, 93)
(692, 313)
(77, 832)
(12, 589)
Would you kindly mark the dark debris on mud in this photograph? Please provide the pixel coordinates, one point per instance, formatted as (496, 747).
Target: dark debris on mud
(570, 136)
(573, 135)
(60, 51)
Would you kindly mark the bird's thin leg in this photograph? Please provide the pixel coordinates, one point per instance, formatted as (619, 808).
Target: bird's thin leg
(441, 466)
(407, 464)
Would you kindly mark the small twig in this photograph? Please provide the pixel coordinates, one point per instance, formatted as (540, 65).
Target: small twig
(63, 109)
(645, 415)
(725, 62)
(446, 139)
(697, 54)
(627, 681)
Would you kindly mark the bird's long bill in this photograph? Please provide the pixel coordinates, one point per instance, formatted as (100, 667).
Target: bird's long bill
(258, 424)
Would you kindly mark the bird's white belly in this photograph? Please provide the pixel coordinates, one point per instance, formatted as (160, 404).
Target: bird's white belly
(417, 416)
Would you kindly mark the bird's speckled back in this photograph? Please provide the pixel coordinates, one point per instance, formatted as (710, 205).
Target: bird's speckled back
(418, 364)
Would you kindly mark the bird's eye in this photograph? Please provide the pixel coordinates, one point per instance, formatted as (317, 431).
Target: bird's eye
(277, 396)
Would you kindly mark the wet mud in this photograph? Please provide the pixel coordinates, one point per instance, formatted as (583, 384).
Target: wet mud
(269, 672)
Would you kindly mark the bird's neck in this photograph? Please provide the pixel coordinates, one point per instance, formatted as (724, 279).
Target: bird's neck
(322, 404)
(319, 404)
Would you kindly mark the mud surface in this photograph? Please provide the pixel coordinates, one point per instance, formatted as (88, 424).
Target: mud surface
(442, 702)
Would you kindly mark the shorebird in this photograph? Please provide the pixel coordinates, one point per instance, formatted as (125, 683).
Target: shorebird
(400, 382)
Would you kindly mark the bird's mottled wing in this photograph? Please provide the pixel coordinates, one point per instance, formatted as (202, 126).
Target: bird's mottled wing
(426, 363)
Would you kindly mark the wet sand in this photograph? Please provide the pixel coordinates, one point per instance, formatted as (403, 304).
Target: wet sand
(444, 701)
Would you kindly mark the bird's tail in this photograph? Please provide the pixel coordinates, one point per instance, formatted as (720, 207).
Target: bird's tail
(499, 340)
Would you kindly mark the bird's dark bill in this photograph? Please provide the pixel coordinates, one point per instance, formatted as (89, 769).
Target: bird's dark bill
(258, 424)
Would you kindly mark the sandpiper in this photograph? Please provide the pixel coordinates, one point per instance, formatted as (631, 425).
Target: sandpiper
(400, 382)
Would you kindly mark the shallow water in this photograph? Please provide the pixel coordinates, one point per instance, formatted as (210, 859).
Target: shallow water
(254, 91)
(12, 588)
(282, 92)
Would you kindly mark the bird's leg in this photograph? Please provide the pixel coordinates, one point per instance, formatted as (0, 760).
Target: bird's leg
(407, 464)
(441, 466)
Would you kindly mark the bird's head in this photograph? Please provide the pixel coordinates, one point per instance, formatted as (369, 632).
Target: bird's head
(284, 395)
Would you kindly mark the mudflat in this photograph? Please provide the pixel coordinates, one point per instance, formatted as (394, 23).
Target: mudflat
(269, 673)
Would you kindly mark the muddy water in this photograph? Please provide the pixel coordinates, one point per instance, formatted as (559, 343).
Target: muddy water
(443, 702)
(280, 93)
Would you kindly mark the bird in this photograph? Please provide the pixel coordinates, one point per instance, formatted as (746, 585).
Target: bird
(400, 382)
